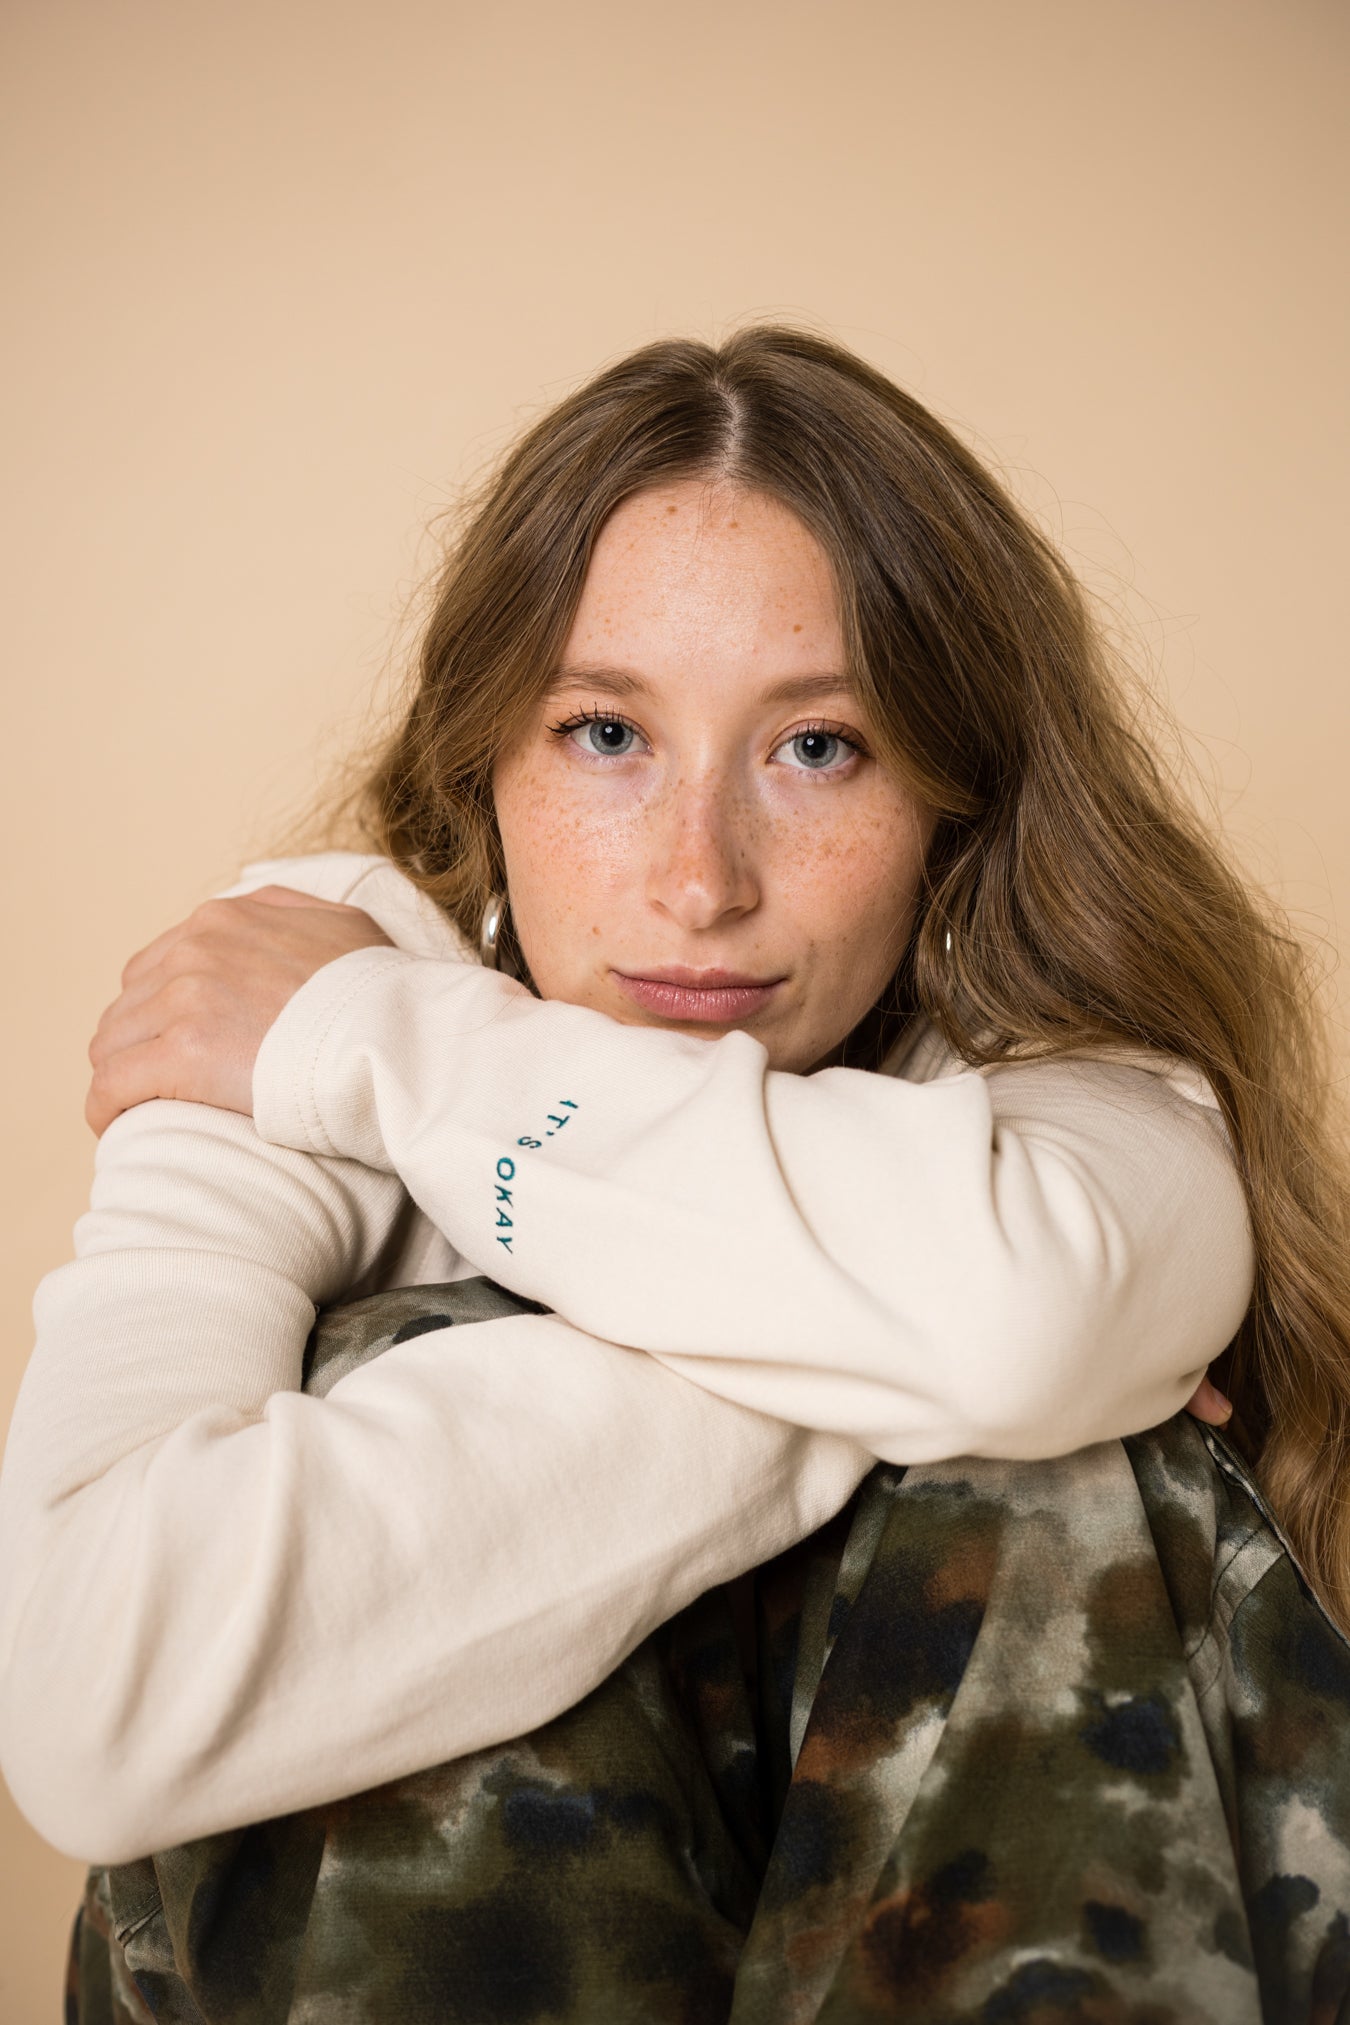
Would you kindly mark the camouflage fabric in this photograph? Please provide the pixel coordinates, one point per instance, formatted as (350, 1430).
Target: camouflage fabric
(1021, 1744)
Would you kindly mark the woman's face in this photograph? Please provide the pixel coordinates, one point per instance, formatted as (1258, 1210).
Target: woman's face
(696, 834)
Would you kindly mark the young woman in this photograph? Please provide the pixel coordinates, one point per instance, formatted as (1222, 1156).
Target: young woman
(889, 1059)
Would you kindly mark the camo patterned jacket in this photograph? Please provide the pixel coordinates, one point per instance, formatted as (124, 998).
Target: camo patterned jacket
(1021, 1744)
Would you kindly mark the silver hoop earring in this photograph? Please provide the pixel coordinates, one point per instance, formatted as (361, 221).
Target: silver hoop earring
(949, 945)
(493, 916)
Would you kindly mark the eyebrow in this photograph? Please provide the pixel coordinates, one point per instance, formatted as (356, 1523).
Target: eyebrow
(624, 682)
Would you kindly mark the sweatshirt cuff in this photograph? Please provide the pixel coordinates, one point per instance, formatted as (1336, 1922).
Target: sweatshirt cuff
(286, 1108)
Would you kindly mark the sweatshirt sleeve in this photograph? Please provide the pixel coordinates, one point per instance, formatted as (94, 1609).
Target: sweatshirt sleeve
(222, 1598)
(1012, 1262)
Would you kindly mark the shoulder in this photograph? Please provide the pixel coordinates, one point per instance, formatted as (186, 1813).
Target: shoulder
(371, 882)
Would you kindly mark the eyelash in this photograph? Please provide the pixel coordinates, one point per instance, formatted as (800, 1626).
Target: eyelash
(821, 729)
(571, 724)
(818, 729)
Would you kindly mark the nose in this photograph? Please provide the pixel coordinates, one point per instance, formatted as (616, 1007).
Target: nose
(703, 868)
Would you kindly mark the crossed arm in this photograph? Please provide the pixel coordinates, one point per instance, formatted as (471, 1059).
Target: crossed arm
(223, 1599)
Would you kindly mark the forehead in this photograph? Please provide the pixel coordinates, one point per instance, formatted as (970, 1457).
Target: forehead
(696, 570)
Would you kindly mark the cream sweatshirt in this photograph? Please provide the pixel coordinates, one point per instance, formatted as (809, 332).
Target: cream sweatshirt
(221, 1599)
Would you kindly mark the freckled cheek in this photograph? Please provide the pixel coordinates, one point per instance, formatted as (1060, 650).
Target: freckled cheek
(569, 862)
(856, 919)
(851, 883)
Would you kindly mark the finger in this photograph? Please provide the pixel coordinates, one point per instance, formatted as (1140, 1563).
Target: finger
(136, 1014)
(188, 1002)
(227, 913)
(212, 920)
(289, 896)
(132, 1076)
(152, 954)
(209, 913)
(1207, 1403)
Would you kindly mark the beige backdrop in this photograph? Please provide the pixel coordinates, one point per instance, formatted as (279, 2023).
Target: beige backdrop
(282, 274)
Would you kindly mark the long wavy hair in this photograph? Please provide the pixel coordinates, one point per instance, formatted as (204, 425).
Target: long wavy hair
(1087, 901)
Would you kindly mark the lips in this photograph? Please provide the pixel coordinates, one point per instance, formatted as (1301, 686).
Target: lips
(718, 997)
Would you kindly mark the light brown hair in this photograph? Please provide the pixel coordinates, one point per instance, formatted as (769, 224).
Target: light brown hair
(1087, 901)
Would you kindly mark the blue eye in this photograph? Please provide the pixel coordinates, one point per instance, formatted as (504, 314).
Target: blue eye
(599, 732)
(816, 748)
(608, 735)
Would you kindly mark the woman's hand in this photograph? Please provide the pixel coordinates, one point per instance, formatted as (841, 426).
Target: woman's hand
(197, 1001)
